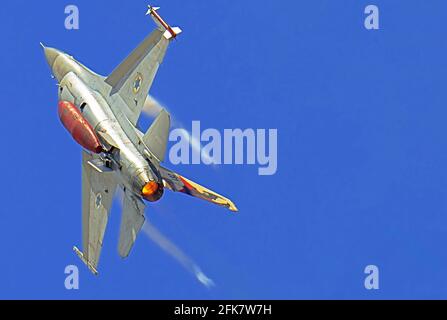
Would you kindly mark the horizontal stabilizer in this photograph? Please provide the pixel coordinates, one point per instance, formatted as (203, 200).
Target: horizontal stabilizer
(176, 182)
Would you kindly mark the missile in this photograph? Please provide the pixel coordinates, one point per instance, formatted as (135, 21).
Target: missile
(170, 33)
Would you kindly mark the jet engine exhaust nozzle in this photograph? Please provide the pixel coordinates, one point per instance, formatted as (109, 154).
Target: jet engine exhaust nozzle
(152, 191)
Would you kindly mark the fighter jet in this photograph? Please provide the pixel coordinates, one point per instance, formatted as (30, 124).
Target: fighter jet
(101, 114)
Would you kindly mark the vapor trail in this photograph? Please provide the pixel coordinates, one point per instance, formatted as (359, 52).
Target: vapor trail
(170, 248)
(152, 108)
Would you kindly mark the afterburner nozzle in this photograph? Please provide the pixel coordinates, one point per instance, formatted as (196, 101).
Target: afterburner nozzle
(152, 191)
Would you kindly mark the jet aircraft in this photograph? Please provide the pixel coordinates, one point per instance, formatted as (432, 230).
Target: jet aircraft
(101, 114)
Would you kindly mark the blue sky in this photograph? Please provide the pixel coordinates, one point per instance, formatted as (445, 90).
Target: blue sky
(362, 161)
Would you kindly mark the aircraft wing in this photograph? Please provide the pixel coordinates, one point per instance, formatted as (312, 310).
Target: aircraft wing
(176, 182)
(98, 189)
(133, 78)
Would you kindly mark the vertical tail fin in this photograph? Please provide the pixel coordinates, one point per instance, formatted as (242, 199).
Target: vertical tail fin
(156, 138)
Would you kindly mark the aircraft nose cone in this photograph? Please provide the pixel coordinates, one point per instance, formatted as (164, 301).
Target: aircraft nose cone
(51, 55)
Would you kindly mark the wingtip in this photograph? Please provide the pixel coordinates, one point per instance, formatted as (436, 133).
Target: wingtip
(81, 256)
(233, 207)
(42, 45)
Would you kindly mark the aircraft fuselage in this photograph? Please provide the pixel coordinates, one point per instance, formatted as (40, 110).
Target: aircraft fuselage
(122, 151)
